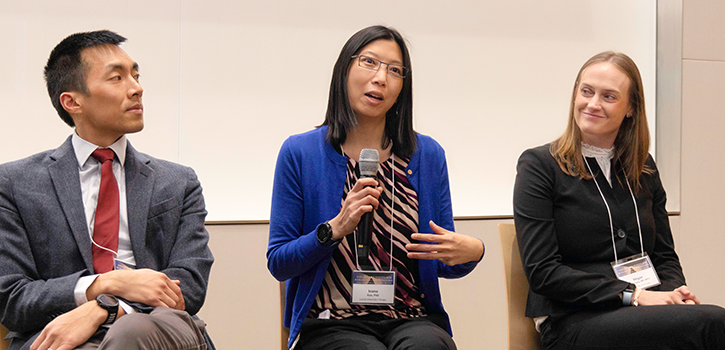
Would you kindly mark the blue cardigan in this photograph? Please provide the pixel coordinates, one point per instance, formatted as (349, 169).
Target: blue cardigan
(309, 181)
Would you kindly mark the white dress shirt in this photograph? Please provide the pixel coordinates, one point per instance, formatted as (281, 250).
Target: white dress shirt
(89, 170)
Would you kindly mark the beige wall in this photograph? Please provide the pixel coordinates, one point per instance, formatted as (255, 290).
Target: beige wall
(242, 307)
(703, 148)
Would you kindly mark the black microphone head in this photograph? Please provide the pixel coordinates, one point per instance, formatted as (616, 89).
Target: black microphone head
(369, 162)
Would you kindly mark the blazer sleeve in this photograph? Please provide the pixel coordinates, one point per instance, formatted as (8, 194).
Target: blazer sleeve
(190, 258)
(27, 301)
(534, 194)
(292, 252)
(664, 258)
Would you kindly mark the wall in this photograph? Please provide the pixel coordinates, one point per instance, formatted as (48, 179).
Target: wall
(703, 159)
(477, 302)
(242, 306)
(231, 80)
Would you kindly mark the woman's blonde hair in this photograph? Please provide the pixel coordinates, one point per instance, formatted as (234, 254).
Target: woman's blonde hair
(631, 146)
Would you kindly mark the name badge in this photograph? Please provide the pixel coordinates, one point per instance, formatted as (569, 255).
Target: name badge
(120, 265)
(637, 269)
(373, 287)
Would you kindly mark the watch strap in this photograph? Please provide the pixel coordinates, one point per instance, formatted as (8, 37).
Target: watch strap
(110, 308)
(627, 295)
(324, 234)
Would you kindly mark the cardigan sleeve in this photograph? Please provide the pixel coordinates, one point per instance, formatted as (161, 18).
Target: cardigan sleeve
(291, 252)
(444, 216)
(534, 195)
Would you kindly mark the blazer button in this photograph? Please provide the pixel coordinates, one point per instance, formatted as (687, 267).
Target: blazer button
(422, 296)
(621, 233)
(410, 172)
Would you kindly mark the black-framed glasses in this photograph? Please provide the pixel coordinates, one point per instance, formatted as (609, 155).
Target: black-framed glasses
(371, 63)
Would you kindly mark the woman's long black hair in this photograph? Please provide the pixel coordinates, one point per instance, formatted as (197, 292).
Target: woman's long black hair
(340, 117)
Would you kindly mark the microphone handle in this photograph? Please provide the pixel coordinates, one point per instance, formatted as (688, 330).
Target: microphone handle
(365, 231)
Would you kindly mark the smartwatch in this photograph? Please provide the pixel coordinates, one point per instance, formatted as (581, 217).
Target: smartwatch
(109, 303)
(627, 295)
(324, 234)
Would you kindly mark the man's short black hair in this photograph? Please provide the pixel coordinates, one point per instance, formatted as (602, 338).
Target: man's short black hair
(66, 71)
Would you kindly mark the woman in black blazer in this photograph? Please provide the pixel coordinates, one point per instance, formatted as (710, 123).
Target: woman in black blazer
(592, 202)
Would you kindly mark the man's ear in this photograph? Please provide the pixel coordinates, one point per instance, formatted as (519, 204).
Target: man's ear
(71, 102)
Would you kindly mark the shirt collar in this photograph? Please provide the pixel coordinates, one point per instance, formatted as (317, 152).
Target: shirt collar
(596, 152)
(84, 149)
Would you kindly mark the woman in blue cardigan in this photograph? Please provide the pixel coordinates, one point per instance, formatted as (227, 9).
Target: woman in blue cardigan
(319, 198)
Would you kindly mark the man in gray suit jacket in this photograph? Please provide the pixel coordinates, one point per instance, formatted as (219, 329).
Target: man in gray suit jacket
(51, 296)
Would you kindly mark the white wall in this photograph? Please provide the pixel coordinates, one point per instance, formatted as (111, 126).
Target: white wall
(226, 82)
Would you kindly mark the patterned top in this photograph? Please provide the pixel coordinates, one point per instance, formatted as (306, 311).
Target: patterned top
(336, 291)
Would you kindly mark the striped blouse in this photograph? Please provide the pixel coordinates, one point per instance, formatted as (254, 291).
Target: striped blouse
(335, 293)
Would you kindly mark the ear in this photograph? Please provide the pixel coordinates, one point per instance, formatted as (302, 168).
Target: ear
(71, 102)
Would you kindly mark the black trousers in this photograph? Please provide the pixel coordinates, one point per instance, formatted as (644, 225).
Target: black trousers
(373, 333)
(644, 327)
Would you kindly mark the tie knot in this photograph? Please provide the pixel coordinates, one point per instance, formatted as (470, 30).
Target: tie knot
(103, 154)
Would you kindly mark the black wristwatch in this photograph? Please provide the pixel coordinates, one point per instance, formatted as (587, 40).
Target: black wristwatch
(110, 304)
(324, 234)
(627, 294)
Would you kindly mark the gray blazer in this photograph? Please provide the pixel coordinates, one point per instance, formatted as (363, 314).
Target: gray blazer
(44, 240)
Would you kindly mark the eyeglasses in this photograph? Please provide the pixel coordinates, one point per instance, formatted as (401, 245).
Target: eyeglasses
(394, 70)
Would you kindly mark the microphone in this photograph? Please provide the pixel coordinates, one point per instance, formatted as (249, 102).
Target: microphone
(369, 163)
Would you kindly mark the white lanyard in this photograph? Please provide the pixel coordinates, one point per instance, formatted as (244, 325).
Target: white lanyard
(611, 223)
(392, 215)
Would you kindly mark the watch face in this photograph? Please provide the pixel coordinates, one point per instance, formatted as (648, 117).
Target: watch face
(324, 233)
(108, 300)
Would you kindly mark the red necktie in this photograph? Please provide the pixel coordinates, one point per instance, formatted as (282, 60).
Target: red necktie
(105, 227)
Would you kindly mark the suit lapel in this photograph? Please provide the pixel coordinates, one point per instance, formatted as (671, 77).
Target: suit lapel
(66, 181)
(139, 187)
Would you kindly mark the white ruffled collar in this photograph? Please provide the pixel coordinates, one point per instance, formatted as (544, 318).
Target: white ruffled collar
(596, 152)
(603, 156)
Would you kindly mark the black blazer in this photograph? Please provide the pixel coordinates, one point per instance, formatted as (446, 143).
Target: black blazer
(565, 240)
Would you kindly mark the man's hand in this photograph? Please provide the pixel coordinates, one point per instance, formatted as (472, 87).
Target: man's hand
(143, 286)
(451, 248)
(72, 328)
